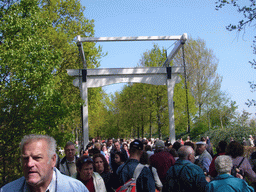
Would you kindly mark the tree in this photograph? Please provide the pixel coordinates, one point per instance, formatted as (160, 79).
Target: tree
(180, 108)
(36, 94)
(222, 114)
(248, 10)
(143, 108)
(155, 58)
(28, 66)
(112, 116)
(98, 113)
(130, 111)
(252, 123)
(67, 21)
(243, 119)
(201, 67)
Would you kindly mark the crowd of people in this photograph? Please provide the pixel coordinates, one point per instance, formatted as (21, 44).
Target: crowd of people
(155, 165)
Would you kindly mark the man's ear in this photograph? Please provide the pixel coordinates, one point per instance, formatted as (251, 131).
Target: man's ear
(189, 157)
(53, 160)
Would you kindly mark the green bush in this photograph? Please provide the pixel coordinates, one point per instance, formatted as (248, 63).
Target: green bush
(235, 132)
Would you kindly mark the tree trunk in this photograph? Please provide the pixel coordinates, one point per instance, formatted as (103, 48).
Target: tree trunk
(142, 127)
(159, 125)
(138, 131)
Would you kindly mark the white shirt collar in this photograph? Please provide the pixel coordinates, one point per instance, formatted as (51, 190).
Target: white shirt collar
(74, 161)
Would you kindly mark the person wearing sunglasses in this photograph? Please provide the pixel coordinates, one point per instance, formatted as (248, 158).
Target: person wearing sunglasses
(92, 180)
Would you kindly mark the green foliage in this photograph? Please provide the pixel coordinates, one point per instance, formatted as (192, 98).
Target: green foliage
(180, 107)
(157, 94)
(239, 128)
(68, 21)
(141, 110)
(132, 105)
(97, 113)
(28, 63)
(201, 67)
(236, 132)
(109, 129)
(221, 112)
(199, 128)
(36, 94)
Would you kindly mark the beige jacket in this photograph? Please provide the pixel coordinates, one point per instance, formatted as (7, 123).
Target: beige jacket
(98, 182)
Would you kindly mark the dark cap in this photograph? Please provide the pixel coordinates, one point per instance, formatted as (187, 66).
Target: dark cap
(136, 144)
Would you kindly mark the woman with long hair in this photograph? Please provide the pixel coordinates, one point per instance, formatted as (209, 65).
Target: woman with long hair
(101, 166)
(125, 146)
(236, 151)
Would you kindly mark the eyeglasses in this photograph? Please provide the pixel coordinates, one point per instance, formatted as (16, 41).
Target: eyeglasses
(69, 149)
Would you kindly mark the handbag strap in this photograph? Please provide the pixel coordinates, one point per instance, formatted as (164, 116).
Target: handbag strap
(240, 163)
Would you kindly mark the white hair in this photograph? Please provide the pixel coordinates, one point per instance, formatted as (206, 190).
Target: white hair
(223, 164)
(33, 137)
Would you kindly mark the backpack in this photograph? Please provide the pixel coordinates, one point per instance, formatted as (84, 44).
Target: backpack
(130, 185)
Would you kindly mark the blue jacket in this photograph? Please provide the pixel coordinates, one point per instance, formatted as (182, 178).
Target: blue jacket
(204, 160)
(228, 183)
(144, 183)
(185, 176)
(64, 183)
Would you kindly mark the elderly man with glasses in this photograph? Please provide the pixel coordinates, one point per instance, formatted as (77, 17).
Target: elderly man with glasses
(68, 163)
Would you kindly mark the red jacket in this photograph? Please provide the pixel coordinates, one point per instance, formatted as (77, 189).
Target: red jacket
(212, 170)
(162, 161)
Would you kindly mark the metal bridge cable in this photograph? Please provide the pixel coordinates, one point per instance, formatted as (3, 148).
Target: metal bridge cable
(171, 45)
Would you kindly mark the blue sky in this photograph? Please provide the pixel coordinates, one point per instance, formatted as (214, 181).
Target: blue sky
(197, 18)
